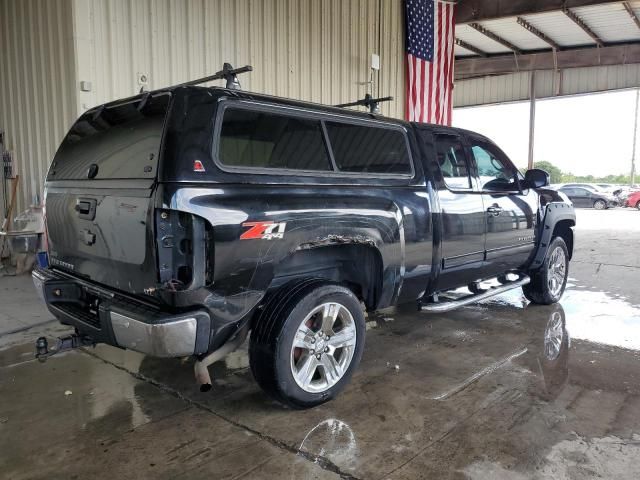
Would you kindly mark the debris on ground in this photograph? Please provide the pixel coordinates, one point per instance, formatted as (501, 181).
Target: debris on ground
(395, 367)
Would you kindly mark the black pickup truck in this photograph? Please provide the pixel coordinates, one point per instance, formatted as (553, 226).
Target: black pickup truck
(182, 220)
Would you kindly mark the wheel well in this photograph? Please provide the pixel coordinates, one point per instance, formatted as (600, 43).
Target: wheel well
(358, 267)
(563, 229)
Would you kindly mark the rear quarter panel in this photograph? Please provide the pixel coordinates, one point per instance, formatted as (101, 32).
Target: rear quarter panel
(395, 221)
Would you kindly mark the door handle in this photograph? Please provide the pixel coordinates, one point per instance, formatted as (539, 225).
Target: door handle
(86, 208)
(494, 210)
(83, 207)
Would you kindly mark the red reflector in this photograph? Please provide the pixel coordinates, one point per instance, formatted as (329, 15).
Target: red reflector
(198, 166)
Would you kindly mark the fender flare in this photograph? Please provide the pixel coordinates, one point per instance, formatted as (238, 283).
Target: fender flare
(554, 212)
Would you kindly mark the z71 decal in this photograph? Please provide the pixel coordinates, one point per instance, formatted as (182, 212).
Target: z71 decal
(263, 230)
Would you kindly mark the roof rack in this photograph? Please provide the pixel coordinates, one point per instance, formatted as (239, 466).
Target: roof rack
(229, 73)
(373, 104)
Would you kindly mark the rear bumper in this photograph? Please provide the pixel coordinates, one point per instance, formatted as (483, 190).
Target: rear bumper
(108, 317)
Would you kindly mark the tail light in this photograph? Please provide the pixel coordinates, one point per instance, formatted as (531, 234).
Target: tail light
(45, 233)
(181, 242)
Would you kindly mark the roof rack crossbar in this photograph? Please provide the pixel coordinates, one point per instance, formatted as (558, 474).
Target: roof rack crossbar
(373, 104)
(229, 73)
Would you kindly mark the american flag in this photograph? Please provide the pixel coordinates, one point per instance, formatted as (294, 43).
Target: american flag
(430, 33)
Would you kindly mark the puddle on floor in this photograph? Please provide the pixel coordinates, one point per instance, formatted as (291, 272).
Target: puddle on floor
(594, 315)
(602, 318)
(72, 397)
(332, 439)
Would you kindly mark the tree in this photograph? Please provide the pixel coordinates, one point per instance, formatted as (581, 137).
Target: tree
(558, 176)
(552, 170)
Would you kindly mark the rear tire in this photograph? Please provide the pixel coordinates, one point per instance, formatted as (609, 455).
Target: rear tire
(599, 205)
(638, 205)
(549, 281)
(307, 342)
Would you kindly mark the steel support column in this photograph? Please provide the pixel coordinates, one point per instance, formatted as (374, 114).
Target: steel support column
(635, 130)
(532, 117)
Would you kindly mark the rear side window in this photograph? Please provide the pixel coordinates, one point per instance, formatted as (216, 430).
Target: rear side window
(367, 149)
(259, 139)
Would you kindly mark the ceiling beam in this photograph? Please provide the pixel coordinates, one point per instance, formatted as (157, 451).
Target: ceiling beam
(578, 21)
(571, 58)
(471, 48)
(478, 10)
(494, 37)
(631, 13)
(527, 26)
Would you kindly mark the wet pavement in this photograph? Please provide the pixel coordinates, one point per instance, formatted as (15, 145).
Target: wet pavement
(500, 390)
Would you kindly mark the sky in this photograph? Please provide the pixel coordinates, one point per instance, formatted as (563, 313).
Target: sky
(587, 134)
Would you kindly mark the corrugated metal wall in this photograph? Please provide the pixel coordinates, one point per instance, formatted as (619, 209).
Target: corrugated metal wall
(37, 98)
(393, 73)
(572, 81)
(316, 50)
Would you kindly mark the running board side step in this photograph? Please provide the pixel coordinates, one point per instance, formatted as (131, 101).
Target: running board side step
(446, 306)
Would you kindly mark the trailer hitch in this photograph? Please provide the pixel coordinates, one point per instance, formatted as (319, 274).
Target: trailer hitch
(64, 343)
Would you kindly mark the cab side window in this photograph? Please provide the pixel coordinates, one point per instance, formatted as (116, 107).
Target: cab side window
(452, 162)
(367, 149)
(495, 171)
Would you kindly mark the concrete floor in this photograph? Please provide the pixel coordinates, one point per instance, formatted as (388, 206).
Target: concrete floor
(470, 394)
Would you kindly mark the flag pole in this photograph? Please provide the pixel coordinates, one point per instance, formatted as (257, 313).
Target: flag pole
(532, 118)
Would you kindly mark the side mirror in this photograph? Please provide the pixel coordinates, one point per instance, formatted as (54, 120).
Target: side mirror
(536, 178)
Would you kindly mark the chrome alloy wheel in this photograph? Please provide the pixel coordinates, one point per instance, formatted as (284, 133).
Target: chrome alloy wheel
(323, 347)
(553, 337)
(557, 271)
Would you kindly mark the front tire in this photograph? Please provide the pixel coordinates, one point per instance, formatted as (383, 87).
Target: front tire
(638, 205)
(307, 342)
(549, 281)
(599, 205)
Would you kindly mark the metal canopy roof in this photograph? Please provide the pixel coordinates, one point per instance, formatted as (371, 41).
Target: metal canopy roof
(495, 37)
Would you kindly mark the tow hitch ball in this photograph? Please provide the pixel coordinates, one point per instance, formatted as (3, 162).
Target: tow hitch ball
(64, 343)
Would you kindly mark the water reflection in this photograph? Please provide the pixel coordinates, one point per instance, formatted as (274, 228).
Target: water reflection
(554, 335)
(547, 352)
(553, 357)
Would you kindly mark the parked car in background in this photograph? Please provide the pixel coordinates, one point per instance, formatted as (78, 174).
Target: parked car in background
(582, 196)
(633, 200)
(590, 186)
(608, 187)
(623, 195)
